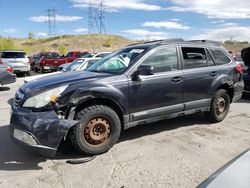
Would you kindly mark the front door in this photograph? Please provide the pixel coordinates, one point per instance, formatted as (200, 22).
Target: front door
(161, 93)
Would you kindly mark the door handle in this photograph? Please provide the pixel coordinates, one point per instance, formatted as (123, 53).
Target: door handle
(213, 74)
(177, 79)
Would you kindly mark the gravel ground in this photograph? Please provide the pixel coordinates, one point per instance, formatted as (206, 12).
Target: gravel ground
(179, 152)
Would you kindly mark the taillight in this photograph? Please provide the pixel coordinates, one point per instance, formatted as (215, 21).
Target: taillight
(239, 69)
(9, 69)
(1, 61)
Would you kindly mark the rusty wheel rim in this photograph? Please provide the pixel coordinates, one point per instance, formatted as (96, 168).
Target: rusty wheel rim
(221, 106)
(97, 131)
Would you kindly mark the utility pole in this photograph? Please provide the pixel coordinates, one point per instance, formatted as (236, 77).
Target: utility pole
(51, 22)
(96, 17)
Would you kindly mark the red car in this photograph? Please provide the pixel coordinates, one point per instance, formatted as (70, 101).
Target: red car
(49, 61)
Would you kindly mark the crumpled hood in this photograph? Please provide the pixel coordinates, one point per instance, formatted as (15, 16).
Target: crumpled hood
(57, 80)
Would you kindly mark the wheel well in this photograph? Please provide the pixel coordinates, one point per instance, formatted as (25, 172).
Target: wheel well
(229, 90)
(106, 102)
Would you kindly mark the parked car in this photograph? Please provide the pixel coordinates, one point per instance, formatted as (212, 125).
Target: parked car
(16, 59)
(135, 85)
(79, 64)
(73, 55)
(32, 60)
(235, 173)
(49, 61)
(245, 53)
(6, 75)
(101, 54)
(96, 55)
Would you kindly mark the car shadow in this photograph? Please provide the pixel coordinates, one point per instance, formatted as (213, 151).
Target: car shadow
(14, 158)
(244, 99)
(164, 125)
(4, 88)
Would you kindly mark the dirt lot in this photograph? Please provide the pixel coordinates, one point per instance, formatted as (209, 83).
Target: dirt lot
(180, 152)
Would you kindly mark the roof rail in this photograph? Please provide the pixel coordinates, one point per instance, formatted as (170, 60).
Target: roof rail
(217, 43)
(165, 41)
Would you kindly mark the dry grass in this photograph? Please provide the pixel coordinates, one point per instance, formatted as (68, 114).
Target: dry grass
(91, 43)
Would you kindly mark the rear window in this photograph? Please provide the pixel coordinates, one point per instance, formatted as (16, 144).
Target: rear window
(13, 55)
(219, 57)
(51, 55)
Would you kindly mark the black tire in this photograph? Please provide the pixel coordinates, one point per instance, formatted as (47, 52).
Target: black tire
(96, 122)
(219, 107)
(41, 70)
(35, 69)
(28, 73)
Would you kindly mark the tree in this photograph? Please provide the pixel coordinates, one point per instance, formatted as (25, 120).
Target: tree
(30, 35)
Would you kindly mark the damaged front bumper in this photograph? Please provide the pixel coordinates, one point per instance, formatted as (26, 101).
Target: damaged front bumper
(40, 132)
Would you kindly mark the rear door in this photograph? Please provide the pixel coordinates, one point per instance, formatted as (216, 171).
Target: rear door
(199, 73)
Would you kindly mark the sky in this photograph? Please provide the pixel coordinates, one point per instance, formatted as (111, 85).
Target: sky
(135, 19)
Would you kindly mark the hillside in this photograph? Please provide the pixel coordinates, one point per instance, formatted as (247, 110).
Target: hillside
(62, 44)
(91, 43)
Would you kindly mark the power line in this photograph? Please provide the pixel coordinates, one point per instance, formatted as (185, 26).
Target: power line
(96, 17)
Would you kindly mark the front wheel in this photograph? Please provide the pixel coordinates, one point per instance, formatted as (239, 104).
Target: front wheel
(98, 131)
(219, 107)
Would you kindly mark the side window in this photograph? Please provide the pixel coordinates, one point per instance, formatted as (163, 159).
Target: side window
(78, 54)
(209, 59)
(163, 60)
(219, 57)
(194, 57)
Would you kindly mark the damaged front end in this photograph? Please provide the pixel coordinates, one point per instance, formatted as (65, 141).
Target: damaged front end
(39, 131)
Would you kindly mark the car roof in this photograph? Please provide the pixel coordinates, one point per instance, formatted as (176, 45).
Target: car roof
(193, 43)
(13, 51)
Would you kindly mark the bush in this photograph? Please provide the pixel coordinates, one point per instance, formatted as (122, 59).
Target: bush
(109, 42)
(62, 50)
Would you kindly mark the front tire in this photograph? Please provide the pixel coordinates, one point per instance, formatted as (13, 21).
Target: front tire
(219, 107)
(98, 131)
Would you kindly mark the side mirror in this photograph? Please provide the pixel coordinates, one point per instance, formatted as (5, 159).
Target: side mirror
(145, 70)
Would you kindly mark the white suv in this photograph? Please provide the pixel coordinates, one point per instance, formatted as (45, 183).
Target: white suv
(16, 59)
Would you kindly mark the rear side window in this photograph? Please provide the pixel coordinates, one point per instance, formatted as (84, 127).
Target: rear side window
(163, 60)
(70, 54)
(13, 55)
(194, 57)
(219, 57)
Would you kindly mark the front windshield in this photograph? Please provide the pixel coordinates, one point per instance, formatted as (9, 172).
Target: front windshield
(74, 65)
(116, 62)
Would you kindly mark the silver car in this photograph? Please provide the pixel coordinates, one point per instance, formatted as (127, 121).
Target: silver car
(16, 59)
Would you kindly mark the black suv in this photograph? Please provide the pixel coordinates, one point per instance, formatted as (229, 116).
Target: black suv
(135, 85)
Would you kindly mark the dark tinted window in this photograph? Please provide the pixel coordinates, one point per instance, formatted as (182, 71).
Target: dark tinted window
(194, 57)
(52, 55)
(13, 55)
(162, 60)
(219, 57)
(70, 54)
(78, 54)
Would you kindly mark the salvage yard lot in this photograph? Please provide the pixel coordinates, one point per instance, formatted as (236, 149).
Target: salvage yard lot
(179, 152)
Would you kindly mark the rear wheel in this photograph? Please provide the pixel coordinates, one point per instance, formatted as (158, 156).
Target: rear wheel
(36, 69)
(28, 73)
(98, 131)
(219, 107)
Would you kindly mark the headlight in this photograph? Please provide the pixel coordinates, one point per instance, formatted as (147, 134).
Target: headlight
(43, 99)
